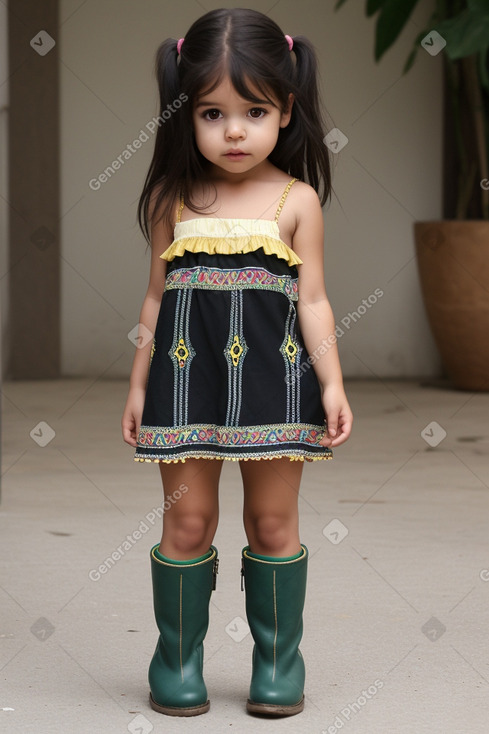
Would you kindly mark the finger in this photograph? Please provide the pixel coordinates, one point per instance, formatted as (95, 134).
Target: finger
(326, 441)
(129, 436)
(332, 424)
(344, 433)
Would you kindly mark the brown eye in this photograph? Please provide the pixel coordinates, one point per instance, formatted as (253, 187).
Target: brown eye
(210, 112)
(258, 109)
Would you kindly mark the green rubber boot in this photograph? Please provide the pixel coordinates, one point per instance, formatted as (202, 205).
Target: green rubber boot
(181, 596)
(275, 595)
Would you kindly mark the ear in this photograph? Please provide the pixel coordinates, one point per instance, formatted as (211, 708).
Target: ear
(285, 118)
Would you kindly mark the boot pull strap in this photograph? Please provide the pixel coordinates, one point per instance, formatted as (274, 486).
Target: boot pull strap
(215, 571)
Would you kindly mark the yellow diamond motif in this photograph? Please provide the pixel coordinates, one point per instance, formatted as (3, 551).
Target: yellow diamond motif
(291, 349)
(181, 353)
(236, 351)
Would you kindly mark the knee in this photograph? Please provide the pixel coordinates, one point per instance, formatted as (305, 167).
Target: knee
(191, 532)
(272, 533)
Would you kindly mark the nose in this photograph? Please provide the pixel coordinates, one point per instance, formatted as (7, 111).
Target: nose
(234, 129)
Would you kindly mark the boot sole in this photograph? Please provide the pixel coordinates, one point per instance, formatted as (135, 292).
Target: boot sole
(176, 711)
(275, 709)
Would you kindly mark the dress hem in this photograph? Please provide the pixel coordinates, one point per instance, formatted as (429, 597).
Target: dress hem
(224, 457)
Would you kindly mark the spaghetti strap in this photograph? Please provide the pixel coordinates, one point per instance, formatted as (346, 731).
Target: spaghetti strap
(277, 213)
(282, 200)
(179, 214)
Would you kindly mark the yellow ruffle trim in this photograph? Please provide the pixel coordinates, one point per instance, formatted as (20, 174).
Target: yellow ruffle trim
(232, 246)
(243, 458)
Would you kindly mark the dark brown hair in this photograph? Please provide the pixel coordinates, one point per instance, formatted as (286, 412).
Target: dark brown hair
(247, 46)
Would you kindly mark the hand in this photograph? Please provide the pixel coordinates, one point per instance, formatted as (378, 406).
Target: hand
(339, 417)
(131, 418)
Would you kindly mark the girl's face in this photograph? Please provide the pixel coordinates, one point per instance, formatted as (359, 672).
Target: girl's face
(224, 121)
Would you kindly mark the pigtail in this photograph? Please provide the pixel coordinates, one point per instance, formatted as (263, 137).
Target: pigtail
(308, 156)
(166, 71)
(158, 185)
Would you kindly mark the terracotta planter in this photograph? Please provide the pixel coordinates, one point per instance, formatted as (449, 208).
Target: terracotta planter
(453, 265)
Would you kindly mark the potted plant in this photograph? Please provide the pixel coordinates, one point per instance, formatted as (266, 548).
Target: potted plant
(453, 254)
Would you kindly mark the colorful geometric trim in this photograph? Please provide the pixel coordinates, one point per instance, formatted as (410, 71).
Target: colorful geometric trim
(301, 456)
(228, 279)
(208, 435)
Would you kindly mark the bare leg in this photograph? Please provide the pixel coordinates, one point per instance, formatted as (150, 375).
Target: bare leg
(270, 507)
(190, 524)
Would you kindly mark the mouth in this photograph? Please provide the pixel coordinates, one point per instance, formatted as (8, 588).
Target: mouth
(236, 155)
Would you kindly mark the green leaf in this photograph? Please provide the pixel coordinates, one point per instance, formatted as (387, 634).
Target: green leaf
(466, 34)
(339, 4)
(373, 6)
(477, 5)
(392, 19)
(410, 60)
(416, 46)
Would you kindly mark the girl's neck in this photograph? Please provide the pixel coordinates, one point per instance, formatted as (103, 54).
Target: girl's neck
(242, 199)
(265, 171)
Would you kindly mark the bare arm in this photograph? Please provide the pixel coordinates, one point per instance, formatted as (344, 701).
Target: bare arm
(149, 312)
(131, 418)
(316, 317)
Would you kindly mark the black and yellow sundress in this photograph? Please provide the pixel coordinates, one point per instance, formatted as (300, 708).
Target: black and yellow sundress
(228, 375)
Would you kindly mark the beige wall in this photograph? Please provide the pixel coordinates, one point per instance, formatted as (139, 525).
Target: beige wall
(387, 176)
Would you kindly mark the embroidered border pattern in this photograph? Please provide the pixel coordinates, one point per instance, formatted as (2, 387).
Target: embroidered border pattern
(228, 279)
(268, 435)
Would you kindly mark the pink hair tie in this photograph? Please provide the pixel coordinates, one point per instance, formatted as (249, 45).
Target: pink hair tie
(290, 41)
(179, 45)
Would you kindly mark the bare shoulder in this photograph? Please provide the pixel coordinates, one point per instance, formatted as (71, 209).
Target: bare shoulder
(308, 237)
(161, 228)
(153, 202)
(305, 211)
(306, 201)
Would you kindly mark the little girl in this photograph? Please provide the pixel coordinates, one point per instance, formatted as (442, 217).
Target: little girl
(242, 364)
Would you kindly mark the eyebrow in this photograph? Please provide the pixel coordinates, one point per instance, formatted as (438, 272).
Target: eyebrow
(216, 104)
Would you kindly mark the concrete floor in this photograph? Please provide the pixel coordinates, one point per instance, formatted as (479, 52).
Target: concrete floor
(397, 609)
